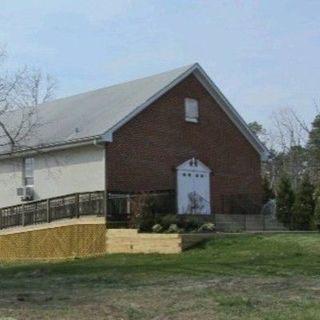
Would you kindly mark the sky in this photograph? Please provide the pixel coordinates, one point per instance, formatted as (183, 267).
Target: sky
(263, 55)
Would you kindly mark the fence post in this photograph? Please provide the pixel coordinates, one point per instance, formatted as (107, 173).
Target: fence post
(48, 210)
(0, 219)
(76, 204)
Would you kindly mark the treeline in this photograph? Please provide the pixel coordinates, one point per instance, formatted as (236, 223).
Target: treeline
(292, 174)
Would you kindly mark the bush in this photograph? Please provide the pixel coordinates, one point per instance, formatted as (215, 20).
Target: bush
(316, 219)
(268, 193)
(173, 228)
(142, 215)
(303, 208)
(157, 228)
(285, 200)
(147, 221)
(207, 227)
(190, 223)
(167, 220)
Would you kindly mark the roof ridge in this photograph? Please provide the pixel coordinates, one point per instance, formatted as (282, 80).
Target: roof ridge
(184, 68)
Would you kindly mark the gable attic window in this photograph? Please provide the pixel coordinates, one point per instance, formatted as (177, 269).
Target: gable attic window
(28, 168)
(191, 110)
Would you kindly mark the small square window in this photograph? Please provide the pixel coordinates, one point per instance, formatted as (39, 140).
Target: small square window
(191, 110)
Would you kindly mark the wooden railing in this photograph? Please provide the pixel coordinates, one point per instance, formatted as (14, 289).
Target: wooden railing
(42, 211)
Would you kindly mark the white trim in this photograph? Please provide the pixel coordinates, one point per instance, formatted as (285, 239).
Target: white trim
(185, 165)
(53, 147)
(191, 109)
(152, 99)
(194, 120)
(214, 92)
(232, 113)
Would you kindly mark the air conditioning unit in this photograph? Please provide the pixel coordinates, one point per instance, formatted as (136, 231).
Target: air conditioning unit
(26, 193)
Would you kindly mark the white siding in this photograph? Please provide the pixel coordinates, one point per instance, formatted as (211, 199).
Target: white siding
(10, 180)
(56, 173)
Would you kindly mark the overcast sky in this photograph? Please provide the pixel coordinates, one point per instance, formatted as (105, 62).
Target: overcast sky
(263, 55)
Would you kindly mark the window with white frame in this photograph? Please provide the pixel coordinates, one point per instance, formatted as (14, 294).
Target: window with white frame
(191, 110)
(28, 171)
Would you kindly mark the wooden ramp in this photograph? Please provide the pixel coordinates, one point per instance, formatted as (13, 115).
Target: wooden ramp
(130, 241)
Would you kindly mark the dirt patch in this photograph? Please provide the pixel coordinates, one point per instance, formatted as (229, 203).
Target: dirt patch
(210, 298)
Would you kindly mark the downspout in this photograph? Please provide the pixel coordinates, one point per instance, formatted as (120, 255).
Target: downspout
(102, 144)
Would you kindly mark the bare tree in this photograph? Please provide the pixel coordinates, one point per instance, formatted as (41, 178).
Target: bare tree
(289, 130)
(288, 139)
(20, 94)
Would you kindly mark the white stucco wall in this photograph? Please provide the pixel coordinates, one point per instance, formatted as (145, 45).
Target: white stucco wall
(56, 173)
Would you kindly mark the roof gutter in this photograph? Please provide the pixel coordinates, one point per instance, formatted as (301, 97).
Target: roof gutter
(95, 140)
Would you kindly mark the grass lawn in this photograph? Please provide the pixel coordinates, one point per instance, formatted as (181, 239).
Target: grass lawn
(274, 276)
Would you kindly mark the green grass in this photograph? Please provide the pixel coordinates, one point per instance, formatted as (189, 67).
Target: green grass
(273, 276)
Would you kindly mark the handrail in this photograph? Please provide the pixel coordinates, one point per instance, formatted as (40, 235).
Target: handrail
(71, 205)
(52, 198)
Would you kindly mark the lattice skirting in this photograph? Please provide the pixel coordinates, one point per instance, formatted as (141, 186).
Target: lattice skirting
(56, 242)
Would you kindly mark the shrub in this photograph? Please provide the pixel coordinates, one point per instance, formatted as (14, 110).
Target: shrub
(207, 227)
(285, 200)
(190, 223)
(157, 228)
(147, 221)
(268, 193)
(316, 219)
(303, 208)
(167, 220)
(142, 216)
(173, 228)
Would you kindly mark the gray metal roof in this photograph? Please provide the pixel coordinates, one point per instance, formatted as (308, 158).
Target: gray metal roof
(97, 113)
(92, 113)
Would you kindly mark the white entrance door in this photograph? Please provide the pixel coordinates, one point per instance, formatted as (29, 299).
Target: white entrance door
(193, 188)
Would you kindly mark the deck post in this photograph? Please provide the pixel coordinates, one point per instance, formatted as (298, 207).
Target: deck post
(48, 210)
(77, 205)
(23, 216)
(105, 204)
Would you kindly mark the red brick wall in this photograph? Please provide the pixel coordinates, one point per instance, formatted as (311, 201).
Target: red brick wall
(145, 151)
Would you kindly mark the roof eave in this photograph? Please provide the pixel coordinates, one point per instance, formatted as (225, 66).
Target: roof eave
(107, 135)
(231, 112)
(52, 147)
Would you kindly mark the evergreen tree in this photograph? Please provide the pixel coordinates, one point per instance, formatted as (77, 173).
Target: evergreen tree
(268, 193)
(317, 207)
(314, 148)
(285, 200)
(303, 208)
(258, 130)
